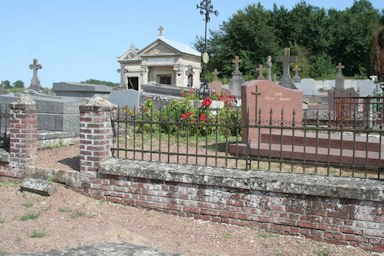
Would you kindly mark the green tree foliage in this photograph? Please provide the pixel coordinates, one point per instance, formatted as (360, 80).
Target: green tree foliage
(94, 81)
(18, 84)
(6, 84)
(320, 38)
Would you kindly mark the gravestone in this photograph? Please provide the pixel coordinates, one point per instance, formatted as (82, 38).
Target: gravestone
(35, 82)
(269, 68)
(285, 80)
(237, 79)
(80, 90)
(296, 78)
(259, 98)
(129, 98)
(215, 74)
(261, 71)
(339, 78)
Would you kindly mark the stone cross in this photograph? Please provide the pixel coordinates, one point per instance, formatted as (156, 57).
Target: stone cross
(269, 68)
(257, 94)
(237, 61)
(261, 71)
(161, 30)
(215, 74)
(296, 79)
(340, 67)
(287, 60)
(35, 82)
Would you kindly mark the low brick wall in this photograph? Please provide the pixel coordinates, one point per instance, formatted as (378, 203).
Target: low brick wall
(346, 211)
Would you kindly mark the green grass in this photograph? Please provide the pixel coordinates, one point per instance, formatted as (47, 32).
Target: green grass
(228, 236)
(8, 184)
(37, 234)
(29, 216)
(64, 209)
(264, 234)
(28, 204)
(77, 214)
(2, 220)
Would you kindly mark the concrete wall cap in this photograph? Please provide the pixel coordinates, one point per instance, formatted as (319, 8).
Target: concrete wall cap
(100, 102)
(25, 100)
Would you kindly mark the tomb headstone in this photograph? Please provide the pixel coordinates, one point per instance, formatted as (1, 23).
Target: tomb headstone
(80, 90)
(263, 101)
(339, 78)
(215, 74)
(237, 79)
(261, 71)
(296, 78)
(269, 68)
(215, 86)
(129, 98)
(285, 80)
(35, 82)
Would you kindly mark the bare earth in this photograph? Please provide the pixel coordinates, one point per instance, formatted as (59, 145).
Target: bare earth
(32, 223)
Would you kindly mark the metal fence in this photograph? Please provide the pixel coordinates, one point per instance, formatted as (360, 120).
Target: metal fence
(4, 134)
(221, 138)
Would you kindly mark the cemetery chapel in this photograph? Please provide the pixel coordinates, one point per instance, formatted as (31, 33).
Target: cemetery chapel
(162, 62)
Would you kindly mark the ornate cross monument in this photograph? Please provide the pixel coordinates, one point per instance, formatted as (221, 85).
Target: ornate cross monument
(237, 79)
(261, 71)
(161, 29)
(269, 68)
(296, 79)
(339, 78)
(35, 82)
(215, 74)
(287, 60)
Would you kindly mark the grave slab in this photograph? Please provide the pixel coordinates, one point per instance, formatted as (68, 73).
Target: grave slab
(37, 186)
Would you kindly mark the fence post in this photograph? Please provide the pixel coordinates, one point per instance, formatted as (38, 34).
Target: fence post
(23, 135)
(96, 136)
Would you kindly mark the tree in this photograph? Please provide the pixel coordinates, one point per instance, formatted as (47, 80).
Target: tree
(6, 84)
(18, 84)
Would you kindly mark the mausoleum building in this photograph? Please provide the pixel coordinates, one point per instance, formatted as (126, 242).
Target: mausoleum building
(162, 62)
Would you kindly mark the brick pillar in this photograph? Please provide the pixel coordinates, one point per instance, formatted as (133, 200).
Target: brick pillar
(23, 135)
(96, 136)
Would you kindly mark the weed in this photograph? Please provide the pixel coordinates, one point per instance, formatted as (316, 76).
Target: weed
(28, 204)
(64, 209)
(228, 236)
(29, 216)
(2, 220)
(8, 184)
(77, 214)
(323, 252)
(264, 234)
(37, 234)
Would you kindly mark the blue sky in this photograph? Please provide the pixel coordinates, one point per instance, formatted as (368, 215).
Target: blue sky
(76, 40)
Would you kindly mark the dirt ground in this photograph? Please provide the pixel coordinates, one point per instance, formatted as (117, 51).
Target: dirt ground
(33, 223)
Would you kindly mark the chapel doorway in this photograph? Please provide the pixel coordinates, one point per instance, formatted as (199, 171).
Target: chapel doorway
(165, 79)
(133, 83)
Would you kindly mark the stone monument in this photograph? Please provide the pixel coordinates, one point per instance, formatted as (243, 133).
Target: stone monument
(237, 79)
(269, 68)
(285, 80)
(264, 102)
(339, 78)
(261, 71)
(35, 82)
(296, 79)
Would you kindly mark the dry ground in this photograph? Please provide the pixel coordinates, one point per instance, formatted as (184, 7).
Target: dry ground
(32, 223)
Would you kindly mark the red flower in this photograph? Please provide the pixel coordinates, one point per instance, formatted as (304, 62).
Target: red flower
(206, 103)
(184, 116)
(203, 117)
(182, 95)
(191, 113)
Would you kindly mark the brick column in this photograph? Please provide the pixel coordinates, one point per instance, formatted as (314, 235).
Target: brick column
(96, 136)
(23, 135)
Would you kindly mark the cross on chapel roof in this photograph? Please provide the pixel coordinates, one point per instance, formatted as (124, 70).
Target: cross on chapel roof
(161, 30)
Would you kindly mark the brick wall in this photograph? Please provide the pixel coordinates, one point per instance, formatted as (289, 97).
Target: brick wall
(96, 136)
(23, 138)
(336, 210)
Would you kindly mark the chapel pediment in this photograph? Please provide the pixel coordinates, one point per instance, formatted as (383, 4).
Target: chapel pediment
(159, 48)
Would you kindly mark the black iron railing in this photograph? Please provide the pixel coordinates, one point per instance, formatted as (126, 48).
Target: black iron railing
(221, 138)
(4, 133)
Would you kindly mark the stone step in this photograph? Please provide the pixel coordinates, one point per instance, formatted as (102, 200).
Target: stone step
(37, 186)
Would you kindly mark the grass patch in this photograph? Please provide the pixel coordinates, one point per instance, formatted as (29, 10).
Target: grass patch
(29, 216)
(37, 234)
(264, 234)
(228, 236)
(28, 204)
(8, 184)
(64, 209)
(77, 214)
(2, 220)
